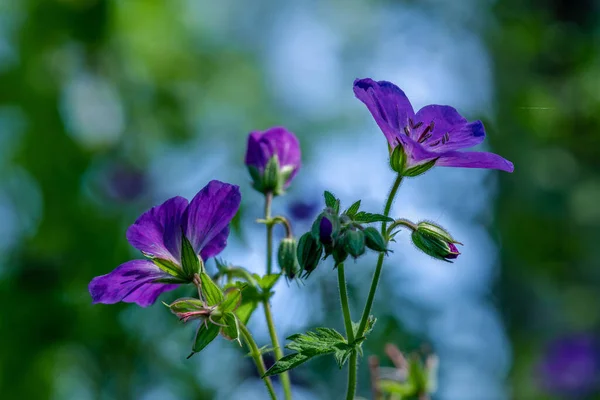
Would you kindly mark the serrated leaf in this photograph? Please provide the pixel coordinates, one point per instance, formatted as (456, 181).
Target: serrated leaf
(366, 217)
(189, 259)
(268, 281)
(286, 363)
(206, 333)
(232, 300)
(210, 291)
(330, 199)
(341, 356)
(353, 209)
(231, 329)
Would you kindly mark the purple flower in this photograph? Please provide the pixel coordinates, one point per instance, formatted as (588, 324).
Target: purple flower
(159, 235)
(273, 159)
(571, 366)
(303, 210)
(430, 137)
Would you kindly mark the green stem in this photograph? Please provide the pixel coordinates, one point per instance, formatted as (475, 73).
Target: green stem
(268, 201)
(367, 311)
(344, 301)
(375, 281)
(257, 357)
(349, 331)
(284, 376)
(352, 376)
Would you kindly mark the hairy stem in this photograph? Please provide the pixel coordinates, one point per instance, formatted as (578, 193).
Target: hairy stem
(258, 360)
(284, 376)
(349, 332)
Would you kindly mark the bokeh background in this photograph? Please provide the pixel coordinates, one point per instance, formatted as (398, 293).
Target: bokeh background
(108, 107)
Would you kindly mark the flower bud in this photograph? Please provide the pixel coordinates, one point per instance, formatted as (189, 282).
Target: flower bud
(339, 254)
(273, 159)
(189, 309)
(286, 256)
(435, 241)
(326, 228)
(309, 253)
(374, 240)
(354, 243)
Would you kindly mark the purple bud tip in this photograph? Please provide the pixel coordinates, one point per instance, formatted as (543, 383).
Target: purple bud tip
(454, 253)
(325, 230)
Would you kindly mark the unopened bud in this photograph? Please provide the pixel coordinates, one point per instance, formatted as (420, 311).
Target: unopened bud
(308, 253)
(287, 259)
(374, 240)
(435, 241)
(354, 243)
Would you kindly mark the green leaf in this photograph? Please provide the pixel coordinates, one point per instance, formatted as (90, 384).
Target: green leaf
(311, 344)
(368, 328)
(286, 363)
(232, 300)
(369, 217)
(330, 200)
(353, 209)
(207, 332)
(210, 291)
(231, 329)
(189, 259)
(268, 281)
(342, 355)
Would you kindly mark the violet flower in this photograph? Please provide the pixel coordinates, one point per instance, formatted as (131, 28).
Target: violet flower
(429, 137)
(273, 159)
(571, 366)
(158, 234)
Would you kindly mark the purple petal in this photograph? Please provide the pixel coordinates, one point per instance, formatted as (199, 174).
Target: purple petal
(216, 245)
(388, 104)
(132, 282)
(450, 130)
(474, 159)
(209, 213)
(254, 154)
(158, 231)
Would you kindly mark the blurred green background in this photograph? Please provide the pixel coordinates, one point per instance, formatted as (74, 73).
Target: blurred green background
(109, 107)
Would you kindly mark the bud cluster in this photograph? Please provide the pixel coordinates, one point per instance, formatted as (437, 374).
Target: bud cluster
(339, 234)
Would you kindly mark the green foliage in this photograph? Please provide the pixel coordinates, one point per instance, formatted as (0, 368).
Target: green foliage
(353, 209)
(230, 329)
(207, 332)
(232, 300)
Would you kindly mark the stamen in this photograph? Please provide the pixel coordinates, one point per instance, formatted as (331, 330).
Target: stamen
(406, 131)
(445, 138)
(411, 123)
(434, 143)
(418, 125)
(428, 129)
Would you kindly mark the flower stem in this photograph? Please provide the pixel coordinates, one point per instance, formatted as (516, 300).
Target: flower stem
(349, 331)
(268, 201)
(284, 376)
(375, 281)
(353, 363)
(344, 302)
(257, 357)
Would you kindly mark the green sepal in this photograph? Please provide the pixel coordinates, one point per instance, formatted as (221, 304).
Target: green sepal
(374, 240)
(211, 293)
(230, 329)
(284, 174)
(398, 159)
(270, 178)
(256, 178)
(190, 261)
(287, 259)
(354, 243)
(419, 169)
(172, 269)
(207, 332)
(309, 253)
(232, 300)
(245, 310)
(186, 304)
(339, 251)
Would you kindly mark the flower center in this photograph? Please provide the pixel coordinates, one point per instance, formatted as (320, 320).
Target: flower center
(426, 134)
